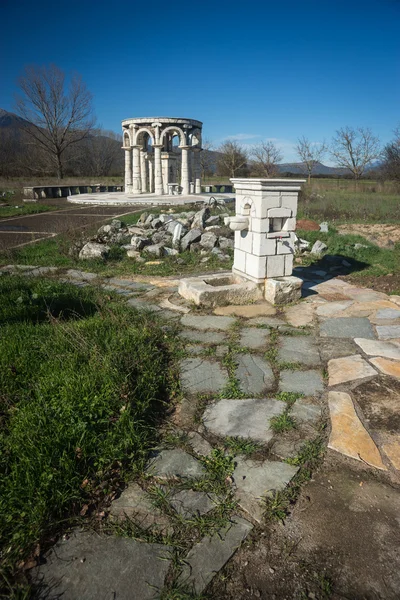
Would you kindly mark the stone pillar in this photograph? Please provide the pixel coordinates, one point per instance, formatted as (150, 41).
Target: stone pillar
(128, 170)
(158, 182)
(136, 182)
(197, 171)
(185, 170)
(151, 175)
(143, 171)
(165, 171)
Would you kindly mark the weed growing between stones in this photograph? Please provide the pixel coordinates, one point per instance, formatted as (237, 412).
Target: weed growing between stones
(237, 445)
(289, 397)
(310, 456)
(282, 423)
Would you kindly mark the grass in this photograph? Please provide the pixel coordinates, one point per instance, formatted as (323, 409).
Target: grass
(282, 423)
(368, 261)
(20, 210)
(83, 382)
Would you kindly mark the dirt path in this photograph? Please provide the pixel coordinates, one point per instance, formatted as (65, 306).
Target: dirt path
(384, 235)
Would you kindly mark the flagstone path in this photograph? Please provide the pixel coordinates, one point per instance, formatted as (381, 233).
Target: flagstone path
(261, 384)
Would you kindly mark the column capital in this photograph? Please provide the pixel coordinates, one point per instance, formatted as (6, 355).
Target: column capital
(184, 147)
(127, 148)
(158, 145)
(138, 146)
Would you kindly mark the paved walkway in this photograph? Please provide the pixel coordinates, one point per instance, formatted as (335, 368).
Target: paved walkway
(259, 388)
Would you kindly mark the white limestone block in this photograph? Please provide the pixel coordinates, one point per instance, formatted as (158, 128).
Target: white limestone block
(283, 291)
(260, 225)
(239, 260)
(288, 264)
(267, 201)
(289, 224)
(285, 245)
(255, 266)
(275, 266)
(289, 200)
(279, 212)
(262, 246)
(244, 241)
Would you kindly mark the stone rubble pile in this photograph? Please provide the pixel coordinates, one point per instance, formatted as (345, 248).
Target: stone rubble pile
(164, 235)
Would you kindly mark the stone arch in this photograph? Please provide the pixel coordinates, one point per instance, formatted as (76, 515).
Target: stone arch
(247, 208)
(177, 130)
(140, 132)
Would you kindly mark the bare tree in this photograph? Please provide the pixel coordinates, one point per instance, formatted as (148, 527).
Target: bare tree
(103, 152)
(206, 159)
(310, 153)
(266, 156)
(391, 157)
(232, 159)
(59, 115)
(354, 149)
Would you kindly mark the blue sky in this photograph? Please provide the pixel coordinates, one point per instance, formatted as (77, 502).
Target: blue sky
(249, 70)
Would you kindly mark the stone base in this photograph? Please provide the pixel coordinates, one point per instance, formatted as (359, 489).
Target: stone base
(219, 290)
(283, 290)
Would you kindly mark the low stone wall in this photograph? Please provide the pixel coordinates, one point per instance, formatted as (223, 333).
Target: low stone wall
(32, 194)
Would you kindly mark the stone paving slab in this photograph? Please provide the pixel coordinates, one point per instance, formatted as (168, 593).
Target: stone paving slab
(391, 447)
(348, 327)
(254, 481)
(199, 445)
(336, 347)
(195, 349)
(208, 556)
(265, 321)
(378, 348)
(247, 310)
(348, 435)
(205, 322)
(256, 339)
(248, 419)
(199, 375)
(189, 503)
(387, 332)
(142, 305)
(254, 374)
(349, 368)
(387, 367)
(304, 412)
(388, 313)
(300, 315)
(118, 290)
(206, 337)
(88, 566)
(331, 309)
(77, 274)
(303, 350)
(136, 505)
(308, 383)
(175, 463)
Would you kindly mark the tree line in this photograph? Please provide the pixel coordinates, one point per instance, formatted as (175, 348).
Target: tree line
(57, 135)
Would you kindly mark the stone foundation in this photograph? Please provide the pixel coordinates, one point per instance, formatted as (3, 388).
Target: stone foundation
(219, 290)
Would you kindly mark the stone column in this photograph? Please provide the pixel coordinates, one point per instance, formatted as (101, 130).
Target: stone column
(151, 175)
(197, 171)
(158, 182)
(185, 170)
(128, 170)
(165, 171)
(143, 171)
(136, 182)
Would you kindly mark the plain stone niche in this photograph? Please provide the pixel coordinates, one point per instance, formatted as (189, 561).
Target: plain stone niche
(264, 226)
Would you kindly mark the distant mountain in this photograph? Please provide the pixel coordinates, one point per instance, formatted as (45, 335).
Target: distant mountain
(319, 169)
(9, 120)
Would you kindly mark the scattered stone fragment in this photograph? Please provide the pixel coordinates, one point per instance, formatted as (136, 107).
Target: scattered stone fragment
(348, 327)
(188, 503)
(349, 368)
(247, 311)
(254, 481)
(207, 322)
(76, 274)
(247, 418)
(254, 374)
(92, 250)
(319, 248)
(348, 435)
(199, 445)
(377, 348)
(90, 566)
(254, 338)
(200, 376)
(386, 366)
(387, 332)
(136, 505)
(298, 350)
(304, 412)
(208, 556)
(175, 463)
(192, 236)
(308, 383)
(207, 337)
